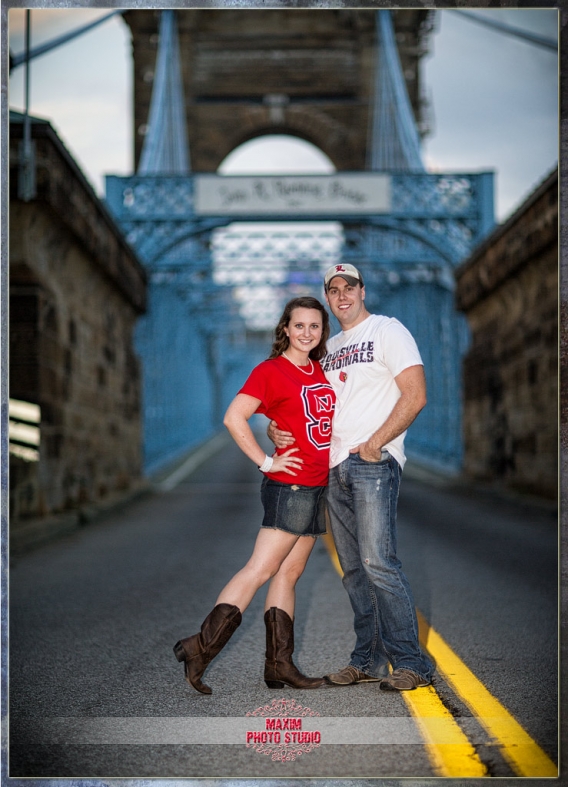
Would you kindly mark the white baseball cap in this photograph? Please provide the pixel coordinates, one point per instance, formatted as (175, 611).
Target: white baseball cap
(346, 271)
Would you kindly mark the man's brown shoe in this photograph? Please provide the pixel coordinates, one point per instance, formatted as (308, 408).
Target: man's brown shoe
(348, 676)
(402, 679)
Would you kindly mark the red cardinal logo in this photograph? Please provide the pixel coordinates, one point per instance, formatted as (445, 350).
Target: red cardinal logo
(343, 376)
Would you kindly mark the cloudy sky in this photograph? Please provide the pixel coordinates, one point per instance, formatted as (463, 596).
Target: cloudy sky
(493, 98)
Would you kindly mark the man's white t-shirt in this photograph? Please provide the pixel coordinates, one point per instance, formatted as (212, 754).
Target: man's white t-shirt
(361, 365)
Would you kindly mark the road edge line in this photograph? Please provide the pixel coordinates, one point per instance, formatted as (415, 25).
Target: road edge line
(202, 453)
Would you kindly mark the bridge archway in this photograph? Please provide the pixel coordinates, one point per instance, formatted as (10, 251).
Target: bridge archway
(269, 152)
(315, 129)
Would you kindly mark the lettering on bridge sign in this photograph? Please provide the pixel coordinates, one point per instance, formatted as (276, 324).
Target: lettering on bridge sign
(355, 193)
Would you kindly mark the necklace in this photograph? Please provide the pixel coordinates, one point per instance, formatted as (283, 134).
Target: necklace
(298, 366)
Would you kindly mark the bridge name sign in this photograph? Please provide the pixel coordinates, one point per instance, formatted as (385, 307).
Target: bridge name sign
(293, 195)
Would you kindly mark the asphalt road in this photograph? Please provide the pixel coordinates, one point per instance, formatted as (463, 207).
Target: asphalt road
(95, 690)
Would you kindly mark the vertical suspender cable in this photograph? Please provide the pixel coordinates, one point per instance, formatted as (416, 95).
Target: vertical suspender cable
(26, 179)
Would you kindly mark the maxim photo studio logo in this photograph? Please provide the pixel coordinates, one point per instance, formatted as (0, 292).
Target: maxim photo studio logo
(284, 736)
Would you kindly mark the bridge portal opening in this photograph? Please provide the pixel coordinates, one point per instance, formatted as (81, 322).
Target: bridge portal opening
(268, 263)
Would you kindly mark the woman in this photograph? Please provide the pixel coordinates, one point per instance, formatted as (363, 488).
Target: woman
(290, 387)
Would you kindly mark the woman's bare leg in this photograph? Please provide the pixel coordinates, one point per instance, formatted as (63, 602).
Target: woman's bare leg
(282, 588)
(270, 551)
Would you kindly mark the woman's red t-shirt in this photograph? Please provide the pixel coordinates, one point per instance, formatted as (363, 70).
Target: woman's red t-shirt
(301, 403)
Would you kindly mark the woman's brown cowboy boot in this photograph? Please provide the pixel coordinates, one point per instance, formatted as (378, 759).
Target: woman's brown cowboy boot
(200, 649)
(279, 669)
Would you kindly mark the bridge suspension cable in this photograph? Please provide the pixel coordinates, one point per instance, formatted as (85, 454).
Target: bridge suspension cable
(394, 143)
(18, 60)
(502, 27)
(166, 148)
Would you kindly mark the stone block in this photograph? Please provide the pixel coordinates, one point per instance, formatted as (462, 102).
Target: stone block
(508, 289)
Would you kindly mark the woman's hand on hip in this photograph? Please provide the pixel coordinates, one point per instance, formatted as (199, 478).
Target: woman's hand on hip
(286, 463)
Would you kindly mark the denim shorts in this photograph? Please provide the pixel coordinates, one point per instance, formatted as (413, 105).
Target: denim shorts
(299, 510)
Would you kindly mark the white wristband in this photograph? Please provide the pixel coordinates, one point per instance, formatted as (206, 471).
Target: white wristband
(266, 465)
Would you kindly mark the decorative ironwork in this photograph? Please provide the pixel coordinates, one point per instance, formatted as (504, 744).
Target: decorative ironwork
(231, 279)
(450, 212)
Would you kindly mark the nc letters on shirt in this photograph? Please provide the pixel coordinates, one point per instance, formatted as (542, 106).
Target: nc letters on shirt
(318, 407)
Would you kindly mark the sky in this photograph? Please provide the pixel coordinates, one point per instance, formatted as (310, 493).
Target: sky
(493, 97)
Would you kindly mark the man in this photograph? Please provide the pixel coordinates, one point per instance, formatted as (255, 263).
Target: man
(376, 371)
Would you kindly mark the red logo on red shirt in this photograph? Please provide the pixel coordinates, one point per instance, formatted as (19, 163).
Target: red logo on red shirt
(319, 404)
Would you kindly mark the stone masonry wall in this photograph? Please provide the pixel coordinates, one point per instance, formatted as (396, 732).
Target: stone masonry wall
(509, 292)
(71, 346)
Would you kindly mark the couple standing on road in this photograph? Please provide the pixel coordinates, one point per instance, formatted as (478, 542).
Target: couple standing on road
(370, 380)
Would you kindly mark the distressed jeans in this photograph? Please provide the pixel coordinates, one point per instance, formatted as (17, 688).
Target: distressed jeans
(362, 500)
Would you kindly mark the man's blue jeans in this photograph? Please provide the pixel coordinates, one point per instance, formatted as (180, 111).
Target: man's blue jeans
(362, 500)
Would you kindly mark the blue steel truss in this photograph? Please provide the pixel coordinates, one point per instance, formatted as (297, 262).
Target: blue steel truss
(446, 212)
(407, 257)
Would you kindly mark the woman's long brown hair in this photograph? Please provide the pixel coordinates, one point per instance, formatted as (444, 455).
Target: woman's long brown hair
(281, 340)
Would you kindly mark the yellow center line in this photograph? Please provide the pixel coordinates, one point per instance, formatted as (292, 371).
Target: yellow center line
(523, 754)
(456, 756)
(330, 544)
